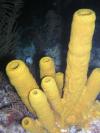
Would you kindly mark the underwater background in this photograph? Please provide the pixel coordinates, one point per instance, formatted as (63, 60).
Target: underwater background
(30, 30)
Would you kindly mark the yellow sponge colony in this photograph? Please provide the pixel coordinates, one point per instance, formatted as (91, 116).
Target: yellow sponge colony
(62, 102)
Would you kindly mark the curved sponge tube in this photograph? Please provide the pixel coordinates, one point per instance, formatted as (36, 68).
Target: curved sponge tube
(21, 78)
(51, 90)
(87, 98)
(42, 108)
(90, 92)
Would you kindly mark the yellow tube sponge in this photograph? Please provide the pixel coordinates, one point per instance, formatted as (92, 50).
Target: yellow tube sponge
(90, 92)
(60, 81)
(80, 44)
(59, 107)
(42, 108)
(51, 90)
(47, 67)
(32, 126)
(21, 78)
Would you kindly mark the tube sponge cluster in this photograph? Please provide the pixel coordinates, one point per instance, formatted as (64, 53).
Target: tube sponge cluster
(61, 100)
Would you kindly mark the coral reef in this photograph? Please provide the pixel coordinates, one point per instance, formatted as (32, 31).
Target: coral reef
(76, 104)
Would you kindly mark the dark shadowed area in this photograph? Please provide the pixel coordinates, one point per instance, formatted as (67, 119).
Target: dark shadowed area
(45, 25)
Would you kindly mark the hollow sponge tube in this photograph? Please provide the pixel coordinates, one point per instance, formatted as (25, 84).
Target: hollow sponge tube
(80, 45)
(21, 78)
(47, 67)
(51, 90)
(42, 108)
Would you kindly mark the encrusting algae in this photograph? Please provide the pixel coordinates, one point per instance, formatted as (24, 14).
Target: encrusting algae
(56, 106)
